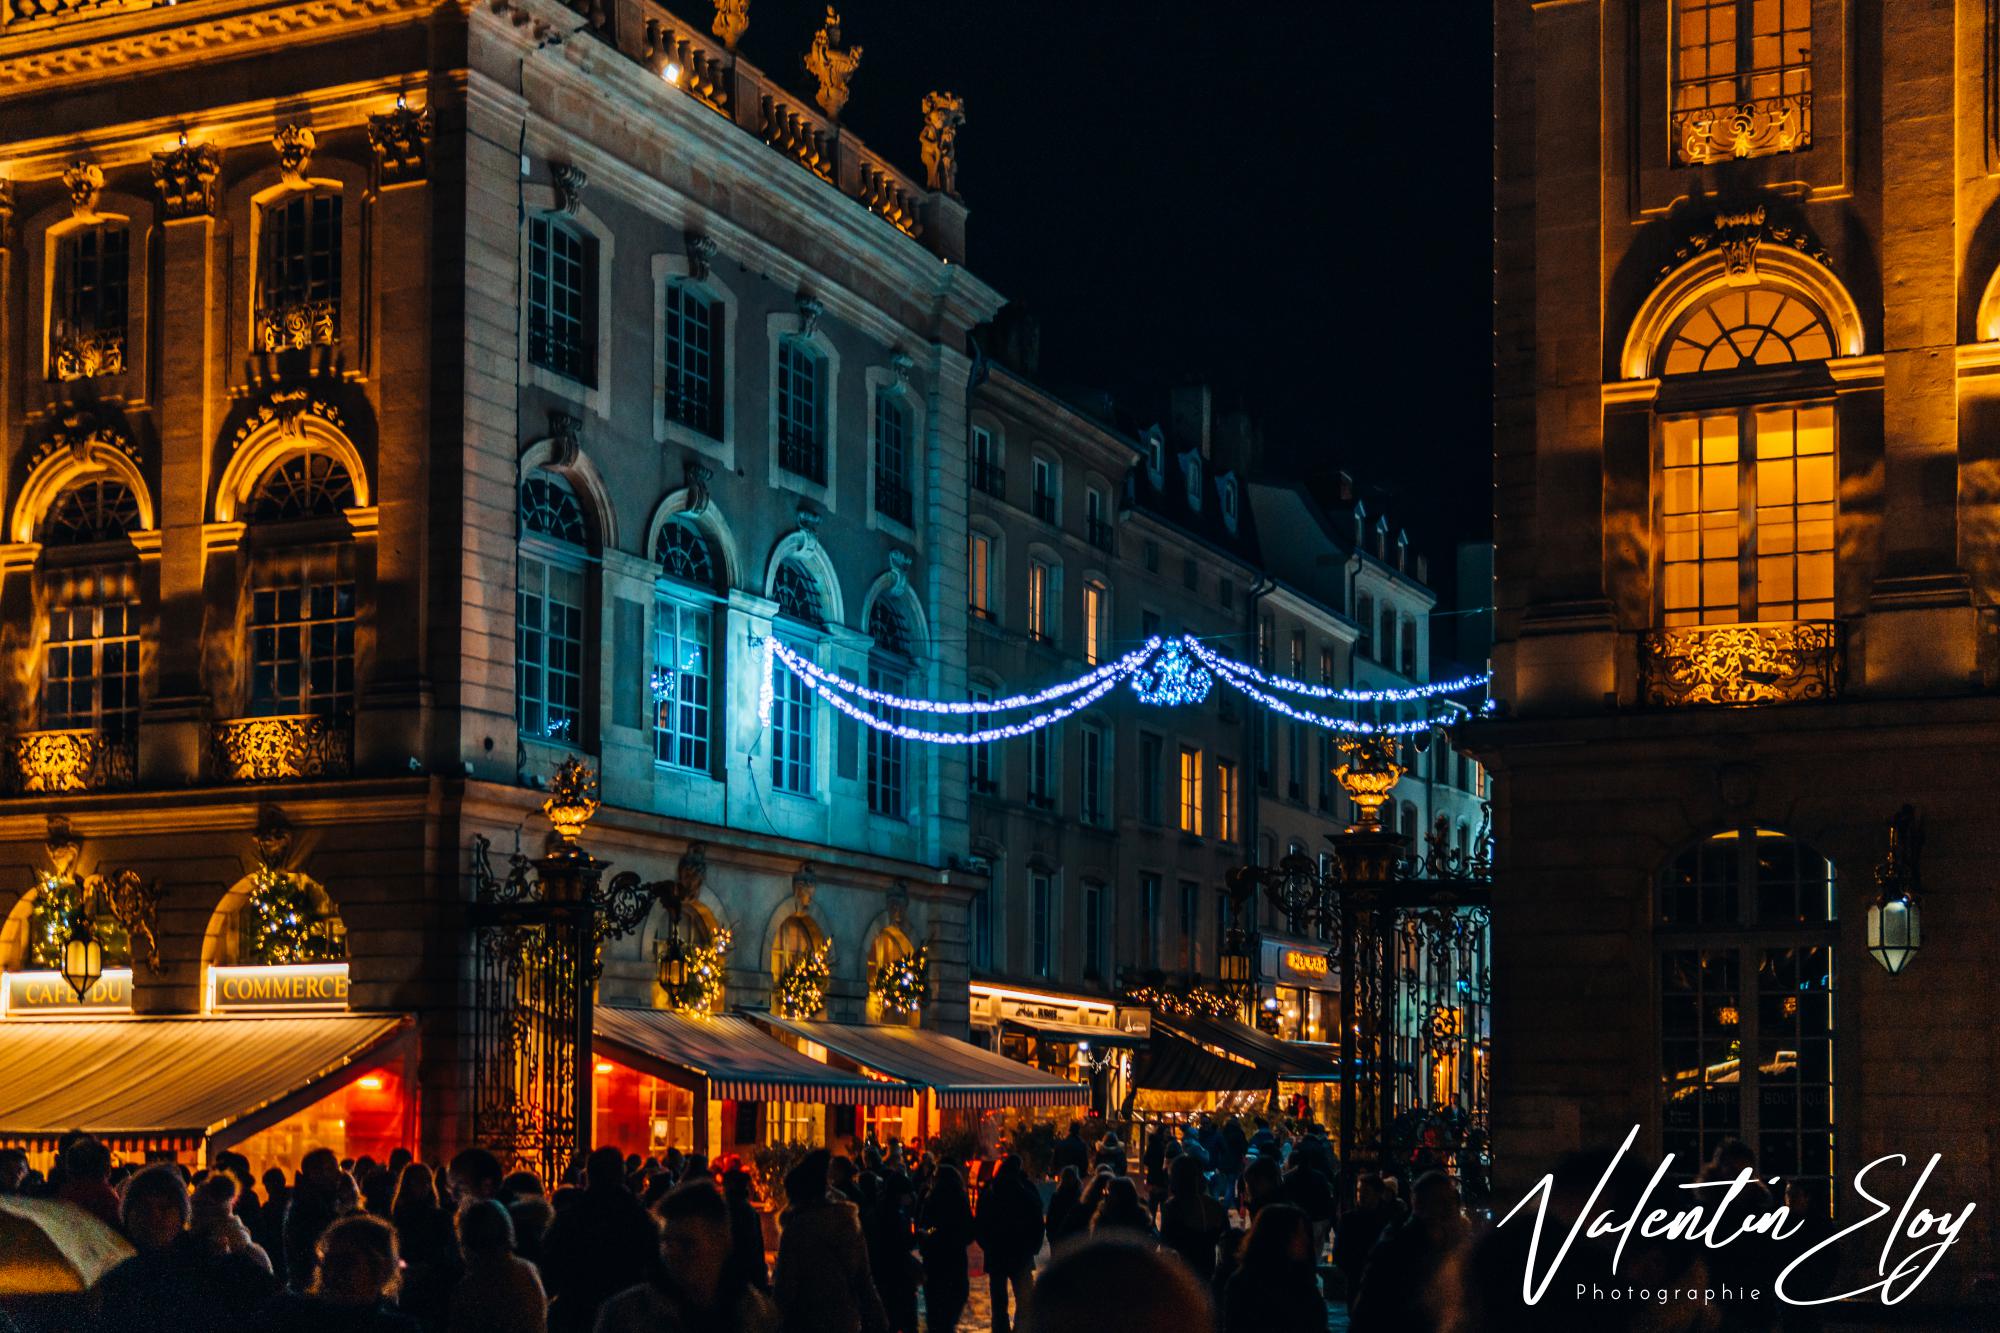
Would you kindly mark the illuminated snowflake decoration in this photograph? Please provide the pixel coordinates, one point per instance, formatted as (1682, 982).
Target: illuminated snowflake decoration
(1172, 678)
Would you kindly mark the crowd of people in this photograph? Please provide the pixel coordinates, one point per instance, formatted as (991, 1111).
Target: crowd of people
(1233, 1228)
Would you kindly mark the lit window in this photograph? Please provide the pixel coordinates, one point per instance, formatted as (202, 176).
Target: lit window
(1758, 327)
(979, 575)
(694, 349)
(885, 750)
(87, 309)
(892, 474)
(1096, 621)
(1225, 801)
(682, 681)
(90, 666)
(1326, 666)
(1738, 58)
(1041, 593)
(302, 649)
(1191, 807)
(562, 299)
(791, 733)
(801, 410)
(298, 271)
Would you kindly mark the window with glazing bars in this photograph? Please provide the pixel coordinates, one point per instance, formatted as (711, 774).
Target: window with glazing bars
(979, 575)
(982, 753)
(892, 466)
(1190, 790)
(1041, 593)
(1093, 930)
(549, 650)
(1149, 920)
(1225, 801)
(302, 650)
(694, 358)
(1043, 753)
(90, 669)
(562, 299)
(1152, 755)
(791, 732)
(90, 295)
(982, 929)
(1731, 52)
(683, 677)
(885, 749)
(1190, 926)
(801, 410)
(299, 263)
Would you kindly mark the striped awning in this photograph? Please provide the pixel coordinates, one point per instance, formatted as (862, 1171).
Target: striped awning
(1170, 1064)
(1279, 1059)
(176, 1080)
(738, 1060)
(961, 1074)
(1049, 1029)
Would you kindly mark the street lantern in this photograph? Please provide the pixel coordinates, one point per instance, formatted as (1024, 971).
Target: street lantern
(83, 955)
(673, 964)
(1895, 924)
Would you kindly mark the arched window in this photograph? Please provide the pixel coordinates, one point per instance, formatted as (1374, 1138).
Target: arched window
(52, 916)
(98, 510)
(797, 594)
(1745, 931)
(303, 486)
(550, 609)
(684, 554)
(683, 649)
(694, 350)
(888, 948)
(889, 628)
(1758, 326)
(287, 918)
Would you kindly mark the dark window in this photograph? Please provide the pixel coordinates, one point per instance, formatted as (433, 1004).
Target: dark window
(892, 467)
(100, 510)
(549, 508)
(90, 668)
(801, 410)
(298, 280)
(885, 751)
(683, 553)
(302, 650)
(694, 358)
(562, 299)
(798, 595)
(889, 628)
(88, 307)
(303, 486)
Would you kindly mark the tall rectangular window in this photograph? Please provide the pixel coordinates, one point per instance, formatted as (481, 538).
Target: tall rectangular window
(1267, 750)
(1793, 492)
(1701, 520)
(302, 650)
(562, 299)
(1412, 666)
(1295, 770)
(885, 750)
(1041, 596)
(979, 575)
(1045, 490)
(1191, 808)
(801, 410)
(683, 676)
(1042, 926)
(298, 271)
(1152, 752)
(87, 309)
(985, 460)
(1096, 808)
(1298, 655)
(1190, 926)
(892, 464)
(549, 634)
(1093, 930)
(982, 929)
(1329, 785)
(982, 753)
(1326, 666)
(1096, 621)
(1097, 520)
(1043, 756)
(791, 733)
(1730, 55)
(1225, 801)
(694, 358)
(1149, 920)
(90, 669)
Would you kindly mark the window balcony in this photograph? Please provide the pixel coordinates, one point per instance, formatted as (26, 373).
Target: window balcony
(1783, 661)
(1101, 535)
(803, 456)
(1041, 801)
(1044, 506)
(82, 355)
(1781, 124)
(301, 324)
(565, 351)
(695, 409)
(892, 498)
(46, 762)
(989, 477)
(275, 749)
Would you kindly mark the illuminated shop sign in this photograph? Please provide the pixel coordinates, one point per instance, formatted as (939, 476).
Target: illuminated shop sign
(1306, 964)
(302, 986)
(47, 992)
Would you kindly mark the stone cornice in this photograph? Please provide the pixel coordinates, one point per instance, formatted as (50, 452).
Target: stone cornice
(86, 48)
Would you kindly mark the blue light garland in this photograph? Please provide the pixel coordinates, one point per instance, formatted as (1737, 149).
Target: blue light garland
(1171, 679)
(1113, 670)
(1287, 685)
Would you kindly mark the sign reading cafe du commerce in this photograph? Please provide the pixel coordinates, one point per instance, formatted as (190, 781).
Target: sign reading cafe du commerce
(298, 986)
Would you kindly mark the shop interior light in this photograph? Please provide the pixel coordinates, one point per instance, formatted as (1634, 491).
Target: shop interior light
(372, 1082)
(603, 1067)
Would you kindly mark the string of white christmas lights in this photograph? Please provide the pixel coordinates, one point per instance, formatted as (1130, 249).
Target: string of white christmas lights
(1288, 685)
(972, 707)
(1346, 726)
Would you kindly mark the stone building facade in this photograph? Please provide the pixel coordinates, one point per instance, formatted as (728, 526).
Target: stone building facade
(1746, 574)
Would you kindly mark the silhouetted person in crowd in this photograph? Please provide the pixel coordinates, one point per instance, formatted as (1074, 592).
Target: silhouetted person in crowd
(1396, 1290)
(176, 1280)
(1009, 1227)
(357, 1272)
(695, 1288)
(86, 1180)
(892, 1260)
(746, 1231)
(312, 1207)
(1115, 1284)
(499, 1292)
(1065, 1216)
(822, 1280)
(1354, 1240)
(597, 1244)
(1122, 1211)
(1275, 1288)
(475, 1174)
(945, 1231)
(1192, 1223)
(429, 1249)
(1070, 1151)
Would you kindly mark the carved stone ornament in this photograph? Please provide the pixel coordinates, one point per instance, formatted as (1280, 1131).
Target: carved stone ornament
(185, 178)
(701, 252)
(80, 434)
(294, 145)
(1737, 237)
(565, 439)
(811, 311)
(691, 874)
(732, 20)
(805, 881)
(938, 140)
(902, 363)
(6, 213)
(570, 180)
(401, 140)
(809, 526)
(269, 749)
(63, 846)
(899, 572)
(698, 475)
(84, 181)
(832, 63)
(899, 903)
(272, 838)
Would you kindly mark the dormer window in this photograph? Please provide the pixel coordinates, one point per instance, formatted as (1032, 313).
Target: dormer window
(1191, 465)
(1156, 456)
(1225, 488)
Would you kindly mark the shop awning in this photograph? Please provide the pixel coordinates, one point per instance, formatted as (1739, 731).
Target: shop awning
(1049, 1029)
(1170, 1064)
(739, 1060)
(1278, 1059)
(960, 1073)
(181, 1078)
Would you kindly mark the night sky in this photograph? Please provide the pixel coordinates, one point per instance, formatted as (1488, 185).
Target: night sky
(1298, 212)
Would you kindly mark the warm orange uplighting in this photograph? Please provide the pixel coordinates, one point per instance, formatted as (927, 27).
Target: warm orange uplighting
(603, 1068)
(372, 1082)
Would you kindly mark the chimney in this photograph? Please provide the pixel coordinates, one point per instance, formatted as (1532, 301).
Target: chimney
(1346, 480)
(1190, 415)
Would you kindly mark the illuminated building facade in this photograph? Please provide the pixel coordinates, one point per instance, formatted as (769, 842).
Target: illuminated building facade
(1746, 570)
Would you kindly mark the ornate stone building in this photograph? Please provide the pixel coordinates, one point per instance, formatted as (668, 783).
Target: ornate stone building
(1747, 571)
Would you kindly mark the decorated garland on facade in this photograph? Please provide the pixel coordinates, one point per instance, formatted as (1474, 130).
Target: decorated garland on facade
(707, 976)
(904, 985)
(58, 901)
(800, 991)
(283, 923)
(1195, 1001)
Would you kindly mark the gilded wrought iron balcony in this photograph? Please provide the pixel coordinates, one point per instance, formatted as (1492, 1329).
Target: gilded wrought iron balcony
(1780, 124)
(82, 355)
(298, 325)
(69, 760)
(1783, 661)
(271, 749)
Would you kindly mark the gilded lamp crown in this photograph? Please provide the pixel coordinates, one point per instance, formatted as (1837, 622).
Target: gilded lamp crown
(572, 799)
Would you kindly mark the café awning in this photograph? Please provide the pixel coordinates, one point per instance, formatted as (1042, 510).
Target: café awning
(1278, 1059)
(960, 1073)
(1050, 1029)
(183, 1079)
(738, 1060)
(1171, 1064)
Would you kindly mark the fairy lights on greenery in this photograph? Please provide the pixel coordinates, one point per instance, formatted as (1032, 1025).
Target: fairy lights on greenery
(800, 991)
(903, 986)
